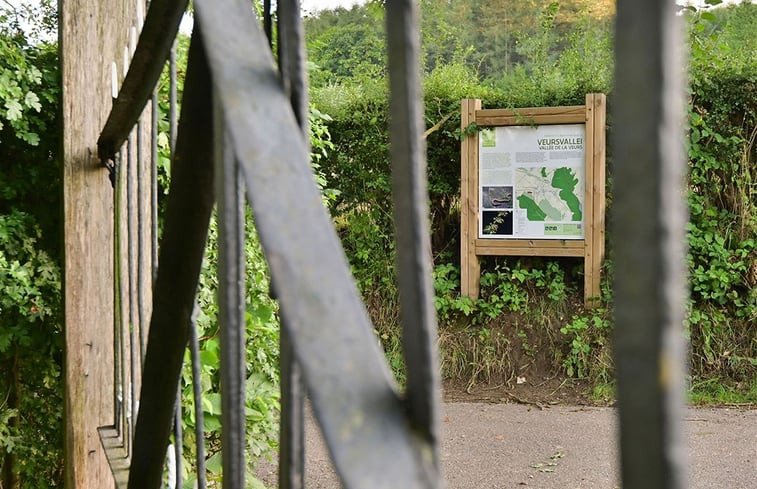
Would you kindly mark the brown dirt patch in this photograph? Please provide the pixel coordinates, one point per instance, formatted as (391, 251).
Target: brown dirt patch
(540, 392)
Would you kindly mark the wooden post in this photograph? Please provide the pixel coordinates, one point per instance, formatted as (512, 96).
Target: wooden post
(594, 201)
(93, 35)
(598, 100)
(470, 268)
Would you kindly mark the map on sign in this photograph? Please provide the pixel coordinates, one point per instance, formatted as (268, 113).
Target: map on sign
(531, 182)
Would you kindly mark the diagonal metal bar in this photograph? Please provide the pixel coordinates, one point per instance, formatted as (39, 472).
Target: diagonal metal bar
(292, 423)
(231, 306)
(187, 215)
(411, 218)
(354, 400)
(155, 40)
(649, 217)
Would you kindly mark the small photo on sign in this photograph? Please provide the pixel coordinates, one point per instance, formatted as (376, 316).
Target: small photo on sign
(488, 138)
(497, 223)
(497, 197)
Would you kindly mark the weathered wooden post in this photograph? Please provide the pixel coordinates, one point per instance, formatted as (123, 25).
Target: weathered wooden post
(94, 34)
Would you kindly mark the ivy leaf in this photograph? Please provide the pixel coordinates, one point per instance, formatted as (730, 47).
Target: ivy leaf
(708, 16)
(14, 110)
(35, 76)
(31, 137)
(32, 101)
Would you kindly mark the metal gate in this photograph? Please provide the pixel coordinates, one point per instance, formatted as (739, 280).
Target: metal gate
(241, 134)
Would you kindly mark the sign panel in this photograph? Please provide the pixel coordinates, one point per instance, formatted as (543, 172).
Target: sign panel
(532, 181)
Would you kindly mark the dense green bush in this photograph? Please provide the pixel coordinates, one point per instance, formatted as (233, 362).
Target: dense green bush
(31, 392)
(722, 195)
(557, 66)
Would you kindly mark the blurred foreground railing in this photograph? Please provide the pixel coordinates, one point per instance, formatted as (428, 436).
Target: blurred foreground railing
(241, 137)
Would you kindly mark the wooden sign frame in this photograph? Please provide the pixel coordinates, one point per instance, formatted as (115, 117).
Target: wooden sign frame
(591, 247)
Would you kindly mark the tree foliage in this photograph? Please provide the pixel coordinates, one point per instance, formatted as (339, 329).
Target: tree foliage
(529, 54)
(30, 312)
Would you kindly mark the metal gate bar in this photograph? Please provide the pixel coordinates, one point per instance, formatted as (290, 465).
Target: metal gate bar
(178, 435)
(376, 438)
(362, 416)
(231, 306)
(155, 40)
(187, 215)
(194, 350)
(411, 221)
(648, 232)
(291, 47)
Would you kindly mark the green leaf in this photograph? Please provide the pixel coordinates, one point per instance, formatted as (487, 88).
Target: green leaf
(30, 137)
(708, 16)
(32, 101)
(214, 463)
(212, 423)
(14, 110)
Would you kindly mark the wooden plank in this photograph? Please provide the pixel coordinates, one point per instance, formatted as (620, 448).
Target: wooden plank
(537, 121)
(599, 204)
(473, 262)
(465, 225)
(470, 270)
(118, 456)
(532, 115)
(93, 35)
(498, 251)
(589, 228)
(574, 244)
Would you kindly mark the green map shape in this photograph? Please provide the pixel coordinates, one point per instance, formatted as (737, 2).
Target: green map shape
(533, 211)
(564, 180)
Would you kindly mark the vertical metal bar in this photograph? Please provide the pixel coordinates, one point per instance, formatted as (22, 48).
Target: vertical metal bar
(292, 422)
(154, 183)
(231, 305)
(178, 436)
(132, 407)
(118, 313)
(194, 350)
(649, 217)
(172, 119)
(187, 214)
(267, 21)
(411, 220)
(173, 125)
(123, 289)
(140, 244)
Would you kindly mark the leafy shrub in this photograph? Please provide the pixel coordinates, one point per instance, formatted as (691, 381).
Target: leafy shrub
(555, 65)
(31, 445)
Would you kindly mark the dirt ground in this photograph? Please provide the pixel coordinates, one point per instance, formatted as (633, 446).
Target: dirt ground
(540, 392)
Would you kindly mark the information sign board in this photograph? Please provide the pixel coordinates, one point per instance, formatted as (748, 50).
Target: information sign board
(532, 181)
(533, 184)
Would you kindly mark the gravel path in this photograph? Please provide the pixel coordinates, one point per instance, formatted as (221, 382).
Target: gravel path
(498, 446)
